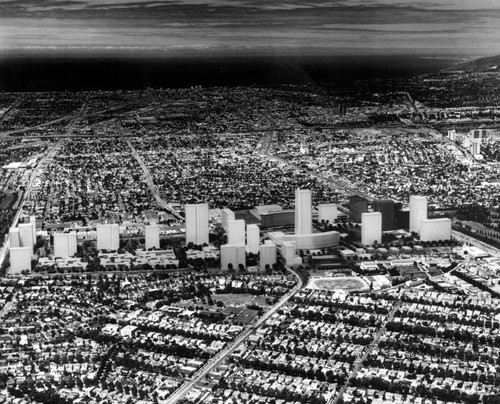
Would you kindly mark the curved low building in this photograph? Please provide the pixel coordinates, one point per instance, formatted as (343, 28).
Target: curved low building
(314, 241)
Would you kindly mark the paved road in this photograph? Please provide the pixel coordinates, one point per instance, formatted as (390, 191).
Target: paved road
(495, 252)
(151, 184)
(231, 347)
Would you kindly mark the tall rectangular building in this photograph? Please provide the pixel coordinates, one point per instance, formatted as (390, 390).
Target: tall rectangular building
(418, 212)
(288, 249)
(327, 212)
(386, 207)
(65, 244)
(197, 229)
(267, 255)
(226, 214)
(152, 236)
(26, 235)
(357, 206)
(14, 238)
(303, 211)
(371, 228)
(236, 232)
(108, 236)
(232, 254)
(253, 238)
(20, 259)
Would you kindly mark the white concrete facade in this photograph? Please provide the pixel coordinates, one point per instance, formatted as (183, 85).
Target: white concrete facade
(435, 229)
(232, 254)
(197, 228)
(303, 211)
(327, 212)
(108, 236)
(152, 236)
(253, 238)
(371, 228)
(14, 238)
(26, 235)
(288, 249)
(226, 214)
(65, 244)
(20, 259)
(267, 255)
(236, 232)
(418, 212)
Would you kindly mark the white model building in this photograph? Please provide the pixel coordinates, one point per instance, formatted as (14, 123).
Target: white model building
(327, 212)
(232, 254)
(27, 235)
(108, 236)
(253, 238)
(303, 211)
(197, 229)
(371, 228)
(152, 236)
(236, 232)
(65, 244)
(20, 259)
(226, 214)
(14, 238)
(435, 229)
(418, 212)
(288, 252)
(267, 255)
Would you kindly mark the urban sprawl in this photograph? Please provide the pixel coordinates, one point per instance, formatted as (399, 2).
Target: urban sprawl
(290, 244)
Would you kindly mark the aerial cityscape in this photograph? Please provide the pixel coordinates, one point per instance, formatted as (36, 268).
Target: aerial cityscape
(251, 212)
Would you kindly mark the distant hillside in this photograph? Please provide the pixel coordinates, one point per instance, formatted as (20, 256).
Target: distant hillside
(489, 64)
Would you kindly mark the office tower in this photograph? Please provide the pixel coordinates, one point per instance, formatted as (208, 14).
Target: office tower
(235, 232)
(452, 135)
(20, 259)
(435, 229)
(267, 255)
(476, 147)
(64, 244)
(288, 252)
(226, 214)
(108, 236)
(152, 236)
(303, 211)
(357, 206)
(26, 235)
(401, 217)
(14, 238)
(371, 228)
(197, 223)
(327, 212)
(386, 207)
(232, 254)
(418, 212)
(253, 238)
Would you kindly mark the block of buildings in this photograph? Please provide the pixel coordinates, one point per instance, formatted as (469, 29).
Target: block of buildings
(327, 212)
(226, 214)
(108, 236)
(65, 244)
(232, 254)
(267, 255)
(236, 232)
(418, 212)
(152, 236)
(253, 238)
(20, 259)
(303, 211)
(371, 228)
(435, 229)
(197, 228)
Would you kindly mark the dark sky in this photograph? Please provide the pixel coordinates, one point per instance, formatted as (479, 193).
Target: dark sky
(447, 27)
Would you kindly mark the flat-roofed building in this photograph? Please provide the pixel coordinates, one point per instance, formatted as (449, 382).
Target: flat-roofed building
(108, 236)
(197, 228)
(152, 236)
(232, 254)
(253, 238)
(65, 245)
(327, 212)
(236, 232)
(418, 212)
(371, 228)
(267, 255)
(435, 229)
(303, 211)
(20, 259)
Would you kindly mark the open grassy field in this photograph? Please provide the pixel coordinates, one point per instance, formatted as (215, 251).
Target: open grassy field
(348, 283)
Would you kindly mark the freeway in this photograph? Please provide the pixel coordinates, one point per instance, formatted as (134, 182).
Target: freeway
(231, 347)
(495, 252)
(150, 182)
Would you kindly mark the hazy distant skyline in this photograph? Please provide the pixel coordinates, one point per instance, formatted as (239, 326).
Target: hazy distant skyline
(449, 27)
